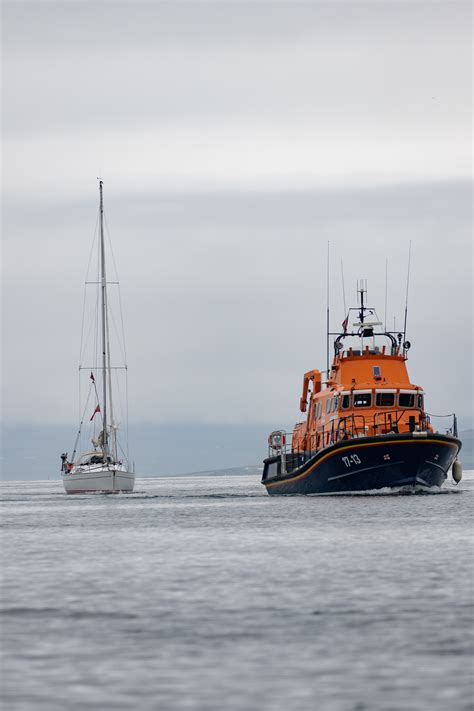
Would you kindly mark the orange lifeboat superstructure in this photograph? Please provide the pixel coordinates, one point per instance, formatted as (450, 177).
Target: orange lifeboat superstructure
(366, 426)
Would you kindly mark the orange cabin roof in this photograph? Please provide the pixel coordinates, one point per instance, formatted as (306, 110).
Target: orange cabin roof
(371, 370)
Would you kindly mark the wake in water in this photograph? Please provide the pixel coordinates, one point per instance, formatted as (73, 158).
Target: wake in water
(417, 490)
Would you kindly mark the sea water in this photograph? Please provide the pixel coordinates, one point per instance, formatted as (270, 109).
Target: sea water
(203, 592)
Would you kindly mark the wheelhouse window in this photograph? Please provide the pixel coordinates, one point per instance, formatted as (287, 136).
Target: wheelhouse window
(346, 401)
(335, 403)
(385, 399)
(420, 402)
(406, 399)
(362, 399)
(328, 405)
(376, 371)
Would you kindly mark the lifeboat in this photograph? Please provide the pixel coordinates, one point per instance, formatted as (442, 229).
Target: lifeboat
(365, 425)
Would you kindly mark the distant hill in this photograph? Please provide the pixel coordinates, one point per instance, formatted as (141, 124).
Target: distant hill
(32, 452)
(467, 452)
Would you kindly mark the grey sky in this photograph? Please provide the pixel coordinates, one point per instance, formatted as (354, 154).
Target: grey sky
(234, 140)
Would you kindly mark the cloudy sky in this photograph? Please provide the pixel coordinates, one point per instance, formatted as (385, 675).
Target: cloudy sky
(234, 140)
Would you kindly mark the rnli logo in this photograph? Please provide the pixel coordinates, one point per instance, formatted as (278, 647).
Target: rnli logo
(386, 457)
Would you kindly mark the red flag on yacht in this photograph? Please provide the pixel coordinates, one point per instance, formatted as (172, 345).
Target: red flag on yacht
(97, 409)
(345, 323)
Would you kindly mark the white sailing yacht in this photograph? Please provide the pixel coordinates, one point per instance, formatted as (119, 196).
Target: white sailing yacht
(104, 467)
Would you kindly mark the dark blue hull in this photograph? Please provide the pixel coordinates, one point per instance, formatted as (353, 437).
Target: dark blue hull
(408, 461)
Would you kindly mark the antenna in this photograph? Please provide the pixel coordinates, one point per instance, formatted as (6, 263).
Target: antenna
(327, 317)
(406, 299)
(361, 290)
(386, 284)
(343, 290)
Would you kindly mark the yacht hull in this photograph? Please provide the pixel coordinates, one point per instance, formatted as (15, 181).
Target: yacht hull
(98, 480)
(406, 462)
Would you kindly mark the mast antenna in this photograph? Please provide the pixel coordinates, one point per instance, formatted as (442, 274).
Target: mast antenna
(406, 299)
(343, 290)
(361, 290)
(386, 286)
(327, 316)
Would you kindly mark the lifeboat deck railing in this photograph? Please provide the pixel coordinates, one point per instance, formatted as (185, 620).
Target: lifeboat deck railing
(352, 427)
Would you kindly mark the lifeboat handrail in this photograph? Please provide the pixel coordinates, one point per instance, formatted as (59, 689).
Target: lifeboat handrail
(289, 460)
(454, 427)
(394, 346)
(388, 420)
(352, 426)
(357, 425)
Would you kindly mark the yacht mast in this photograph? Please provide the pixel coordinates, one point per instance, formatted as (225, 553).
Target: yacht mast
(103, 290)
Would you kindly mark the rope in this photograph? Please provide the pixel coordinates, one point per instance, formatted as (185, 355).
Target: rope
(80, 425)
(82, 346)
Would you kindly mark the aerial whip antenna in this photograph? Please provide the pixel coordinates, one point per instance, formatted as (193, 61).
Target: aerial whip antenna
(343, 290)
(386, 284)
(406, 299)
(327, 317)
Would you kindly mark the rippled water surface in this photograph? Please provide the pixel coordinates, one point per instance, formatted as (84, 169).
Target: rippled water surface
(202, 592)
